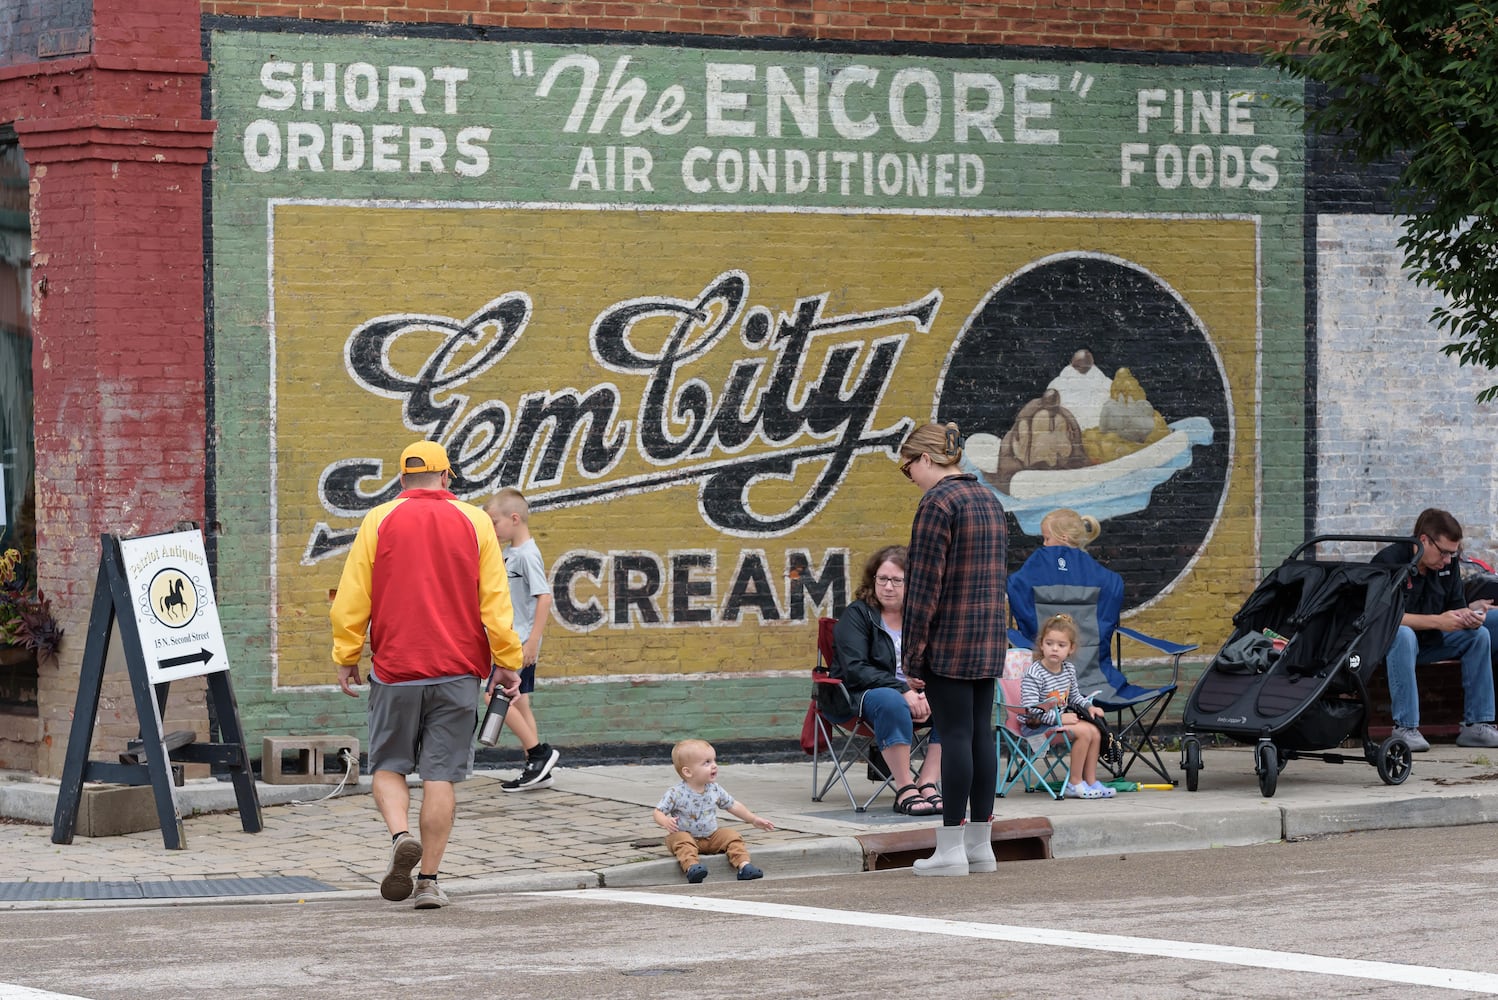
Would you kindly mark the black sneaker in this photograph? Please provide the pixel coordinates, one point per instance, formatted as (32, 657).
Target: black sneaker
(537, 772)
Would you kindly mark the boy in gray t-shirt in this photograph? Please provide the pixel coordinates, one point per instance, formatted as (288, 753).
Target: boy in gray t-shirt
(530, 595)
(688, 812)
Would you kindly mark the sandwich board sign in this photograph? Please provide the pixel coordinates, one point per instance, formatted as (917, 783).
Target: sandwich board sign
(175, 612)
(157, 589)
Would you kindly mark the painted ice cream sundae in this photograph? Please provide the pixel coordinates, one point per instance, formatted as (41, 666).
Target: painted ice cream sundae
(1088, 442)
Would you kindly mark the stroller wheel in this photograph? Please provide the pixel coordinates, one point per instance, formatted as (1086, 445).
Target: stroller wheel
(1191, 761)
(1393, 760)
(1267, 767)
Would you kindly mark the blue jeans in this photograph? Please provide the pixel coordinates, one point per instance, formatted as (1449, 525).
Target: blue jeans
(887, 712)
(1468, 645)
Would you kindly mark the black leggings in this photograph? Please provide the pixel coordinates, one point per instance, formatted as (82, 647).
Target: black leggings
(962, 711)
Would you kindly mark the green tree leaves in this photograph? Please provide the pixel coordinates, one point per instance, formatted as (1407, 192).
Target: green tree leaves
(1416, 81)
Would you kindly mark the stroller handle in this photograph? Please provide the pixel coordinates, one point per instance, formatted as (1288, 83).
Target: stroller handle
(1311, 543)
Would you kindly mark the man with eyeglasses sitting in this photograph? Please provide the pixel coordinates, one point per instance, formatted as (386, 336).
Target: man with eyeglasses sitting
(1439, 623)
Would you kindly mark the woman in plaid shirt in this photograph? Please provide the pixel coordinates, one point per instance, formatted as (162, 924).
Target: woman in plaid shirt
(954, 636)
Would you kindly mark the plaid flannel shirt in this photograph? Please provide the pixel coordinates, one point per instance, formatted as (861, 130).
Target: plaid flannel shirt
(956, 614)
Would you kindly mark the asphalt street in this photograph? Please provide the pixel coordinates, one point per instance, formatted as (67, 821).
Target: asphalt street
(1393, 914)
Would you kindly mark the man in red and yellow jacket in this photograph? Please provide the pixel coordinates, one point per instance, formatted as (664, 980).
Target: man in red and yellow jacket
(425, 580)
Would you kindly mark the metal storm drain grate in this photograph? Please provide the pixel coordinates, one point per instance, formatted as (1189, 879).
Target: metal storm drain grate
(165, 889)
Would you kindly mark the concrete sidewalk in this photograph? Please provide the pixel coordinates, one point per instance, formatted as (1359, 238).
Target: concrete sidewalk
(593, 828)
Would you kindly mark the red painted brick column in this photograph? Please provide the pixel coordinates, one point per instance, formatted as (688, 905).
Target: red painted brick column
(116, 143)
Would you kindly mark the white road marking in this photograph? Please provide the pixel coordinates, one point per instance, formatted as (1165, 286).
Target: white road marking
(1257, 958)
(10, 991)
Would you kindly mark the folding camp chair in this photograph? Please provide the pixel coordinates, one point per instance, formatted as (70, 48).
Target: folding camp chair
(1042, 762)
(842, 740)
(1058, 579)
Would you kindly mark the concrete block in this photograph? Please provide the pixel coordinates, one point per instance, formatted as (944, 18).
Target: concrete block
(112, 810)
(310, 751)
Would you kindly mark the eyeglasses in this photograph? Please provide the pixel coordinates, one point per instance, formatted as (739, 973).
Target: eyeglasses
(905, 467)
(1445, 552)
(890, 581)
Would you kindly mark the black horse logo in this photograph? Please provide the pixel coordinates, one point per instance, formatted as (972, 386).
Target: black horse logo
(173, 598)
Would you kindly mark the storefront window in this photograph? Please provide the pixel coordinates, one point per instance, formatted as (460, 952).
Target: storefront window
(17, 448)
(18, 676)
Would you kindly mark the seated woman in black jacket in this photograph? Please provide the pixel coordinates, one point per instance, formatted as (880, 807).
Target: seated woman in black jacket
(867, 641)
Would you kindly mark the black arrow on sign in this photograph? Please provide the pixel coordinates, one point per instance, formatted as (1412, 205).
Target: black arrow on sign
(201, 656)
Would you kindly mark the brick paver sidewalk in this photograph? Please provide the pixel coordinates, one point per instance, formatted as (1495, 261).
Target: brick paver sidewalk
(342, 843)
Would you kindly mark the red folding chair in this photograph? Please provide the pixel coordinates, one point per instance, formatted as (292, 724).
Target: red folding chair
(842, 739)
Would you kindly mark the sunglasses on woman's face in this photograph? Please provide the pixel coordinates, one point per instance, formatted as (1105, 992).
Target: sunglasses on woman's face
(905, 467)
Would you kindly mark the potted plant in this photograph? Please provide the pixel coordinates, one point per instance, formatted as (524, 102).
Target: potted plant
(26, 620)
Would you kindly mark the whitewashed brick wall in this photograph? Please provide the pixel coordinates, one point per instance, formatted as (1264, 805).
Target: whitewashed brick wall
(1398, 427)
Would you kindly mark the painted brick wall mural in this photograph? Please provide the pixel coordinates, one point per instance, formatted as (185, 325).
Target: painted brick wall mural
(690, 297)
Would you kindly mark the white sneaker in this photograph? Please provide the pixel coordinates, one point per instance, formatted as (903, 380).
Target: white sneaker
(1413, 739)
(430, 895)
(1477, 734)
(405, 854)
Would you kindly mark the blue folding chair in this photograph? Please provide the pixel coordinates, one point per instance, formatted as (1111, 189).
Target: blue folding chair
(1058, 579)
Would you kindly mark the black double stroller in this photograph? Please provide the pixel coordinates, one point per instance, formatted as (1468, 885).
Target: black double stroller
(1292, 679)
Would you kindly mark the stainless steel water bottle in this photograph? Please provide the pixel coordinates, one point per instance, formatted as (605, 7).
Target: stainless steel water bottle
(494, 719)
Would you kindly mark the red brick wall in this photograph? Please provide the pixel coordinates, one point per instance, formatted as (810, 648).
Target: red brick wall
(1168, 25)
(116, 146)
(144, 29)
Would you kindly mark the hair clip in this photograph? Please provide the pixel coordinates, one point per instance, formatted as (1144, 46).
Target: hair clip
(952, 441)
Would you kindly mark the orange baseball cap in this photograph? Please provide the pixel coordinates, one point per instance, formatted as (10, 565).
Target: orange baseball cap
(424, 456)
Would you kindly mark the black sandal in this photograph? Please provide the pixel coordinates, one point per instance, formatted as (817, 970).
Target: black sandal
(916, 805)
(935, 797)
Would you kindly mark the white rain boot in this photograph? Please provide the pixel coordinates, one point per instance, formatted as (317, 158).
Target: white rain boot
(950, 857)
(977, 839)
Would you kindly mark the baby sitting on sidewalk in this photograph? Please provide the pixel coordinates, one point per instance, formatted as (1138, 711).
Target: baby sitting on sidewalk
(688, 812)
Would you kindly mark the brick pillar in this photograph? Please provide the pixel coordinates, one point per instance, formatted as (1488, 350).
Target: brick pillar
(116, 142)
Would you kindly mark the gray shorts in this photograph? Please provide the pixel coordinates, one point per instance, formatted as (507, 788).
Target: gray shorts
(426, 728)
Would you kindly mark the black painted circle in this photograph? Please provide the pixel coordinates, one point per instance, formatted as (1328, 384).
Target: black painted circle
(1027, 333)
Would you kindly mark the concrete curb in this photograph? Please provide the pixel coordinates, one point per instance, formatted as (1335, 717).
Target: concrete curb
(36, 801)
(1399, 814)
(1085, 836)
(218, 796)
(823, 856)
(284, 898)
(527, 882)
(32, 801)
